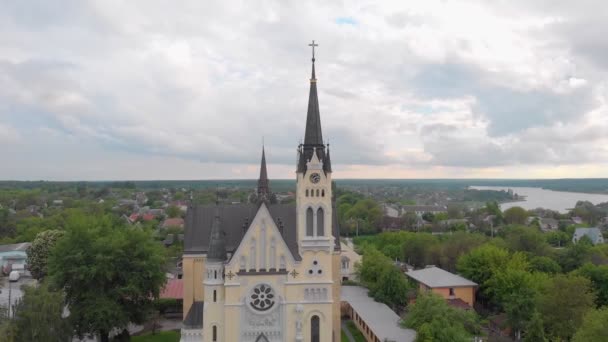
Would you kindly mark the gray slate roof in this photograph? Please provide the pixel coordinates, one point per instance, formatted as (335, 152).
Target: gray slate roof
(436, 277)
(594, 234)
(194, 318)
(383, 321)
(235, 220)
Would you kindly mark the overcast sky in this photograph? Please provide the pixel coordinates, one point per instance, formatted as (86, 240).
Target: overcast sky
(150, 89)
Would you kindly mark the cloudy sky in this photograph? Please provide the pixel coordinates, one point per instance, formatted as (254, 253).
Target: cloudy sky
(152, 89)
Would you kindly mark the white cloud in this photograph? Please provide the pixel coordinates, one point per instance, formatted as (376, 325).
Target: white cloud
(468, 86)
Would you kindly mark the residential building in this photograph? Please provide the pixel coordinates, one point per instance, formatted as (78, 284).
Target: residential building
(450, 286)
(266, 272)
(594, 234)
(375, 320)
(13, 253)
(421, 209)
(548, 224)
(348, 259)
(173, 222)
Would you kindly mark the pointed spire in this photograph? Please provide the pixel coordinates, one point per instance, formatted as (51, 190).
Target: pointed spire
(313, 135)
(327, 161)
(217, 241)
(263, 183)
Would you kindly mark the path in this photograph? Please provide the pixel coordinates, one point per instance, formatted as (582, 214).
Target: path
(347, 332)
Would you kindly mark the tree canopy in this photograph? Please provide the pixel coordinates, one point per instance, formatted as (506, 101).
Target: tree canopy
(436, 321)
(110, 273)
(38, 252)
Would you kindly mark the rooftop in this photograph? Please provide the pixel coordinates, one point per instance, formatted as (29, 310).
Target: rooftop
(16, 247)
(383, 321)
(173, 289)
(436, 277)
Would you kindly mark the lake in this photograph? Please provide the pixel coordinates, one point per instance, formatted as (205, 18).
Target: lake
(541, 198)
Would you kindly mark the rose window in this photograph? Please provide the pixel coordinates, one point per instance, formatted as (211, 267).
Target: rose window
(262, 297)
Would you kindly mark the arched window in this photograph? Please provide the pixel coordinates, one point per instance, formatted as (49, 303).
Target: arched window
(214, 296)
(214, 337)
(309, 222)
(320, 222)
(317, 192)
(322, 192)
(215, 274)
(306, 192)
(314, 329)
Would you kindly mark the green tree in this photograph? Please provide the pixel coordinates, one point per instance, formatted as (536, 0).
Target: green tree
(38, 252)
(544, 264)
(373, 264)
(392, 288)
(417, 251)
(557, 238)
(38, 316)
(410, 220)
(594, 327)
(575, 255)
(526, 239)
(599, 279)
(515, 215)
(535, 330)
(440, 322)
(173, 211)
(109, 273)
(563, 303)
(456, 245)
(481, 263)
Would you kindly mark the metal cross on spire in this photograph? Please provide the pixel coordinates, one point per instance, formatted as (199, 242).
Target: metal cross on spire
(313, 49)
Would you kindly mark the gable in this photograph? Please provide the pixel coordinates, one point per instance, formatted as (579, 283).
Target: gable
(235, 220)
(263, 247)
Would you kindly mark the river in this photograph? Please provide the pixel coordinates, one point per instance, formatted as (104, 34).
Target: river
(560, 201)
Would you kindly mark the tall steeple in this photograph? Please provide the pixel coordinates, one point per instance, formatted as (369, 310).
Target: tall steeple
(217, 241)
(313, 136)
(263, 183)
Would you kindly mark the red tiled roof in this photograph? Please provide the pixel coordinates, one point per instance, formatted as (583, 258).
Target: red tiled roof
(148, 217)
(173, 289)
(174, 222)
(459, 303)
(134, 217)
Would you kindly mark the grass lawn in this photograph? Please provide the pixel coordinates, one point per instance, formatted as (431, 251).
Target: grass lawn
(344, 338)
(162, 336)
(355, 332)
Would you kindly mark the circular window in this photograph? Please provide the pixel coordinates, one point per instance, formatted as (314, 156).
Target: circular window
(262, 297)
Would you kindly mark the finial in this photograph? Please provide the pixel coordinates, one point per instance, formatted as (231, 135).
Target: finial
(313, 50)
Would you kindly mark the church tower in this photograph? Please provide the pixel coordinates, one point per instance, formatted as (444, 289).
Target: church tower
(213, 283)
(317, 226)
(314, 191)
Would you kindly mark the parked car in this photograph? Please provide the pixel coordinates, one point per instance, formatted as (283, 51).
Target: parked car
(14, 276)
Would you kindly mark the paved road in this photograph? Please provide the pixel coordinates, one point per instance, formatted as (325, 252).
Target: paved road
(14, 288)
(347, 332)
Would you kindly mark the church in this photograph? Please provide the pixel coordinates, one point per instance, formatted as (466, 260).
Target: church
(266, 272)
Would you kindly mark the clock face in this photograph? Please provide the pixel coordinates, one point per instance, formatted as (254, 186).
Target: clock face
(315, 177)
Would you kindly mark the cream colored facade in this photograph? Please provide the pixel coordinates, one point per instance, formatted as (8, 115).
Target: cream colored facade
(263, 292)
(348, 259)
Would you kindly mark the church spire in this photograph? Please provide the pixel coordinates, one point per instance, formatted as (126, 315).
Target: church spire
(263, 183)
(313, 135)
(217, 241)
